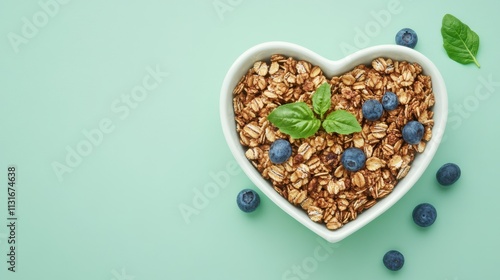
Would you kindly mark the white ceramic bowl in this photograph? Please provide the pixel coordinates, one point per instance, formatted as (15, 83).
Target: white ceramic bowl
(332, 68)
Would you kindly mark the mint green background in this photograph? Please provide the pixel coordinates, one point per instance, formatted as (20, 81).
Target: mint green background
(116, 216)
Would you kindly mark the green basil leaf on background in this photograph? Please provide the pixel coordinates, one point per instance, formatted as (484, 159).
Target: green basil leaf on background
(459, 41)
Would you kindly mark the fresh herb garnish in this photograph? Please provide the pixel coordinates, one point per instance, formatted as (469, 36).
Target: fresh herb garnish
(459, 41)
(341, 122)
(298, 120)
(321, 99)
(295, 119)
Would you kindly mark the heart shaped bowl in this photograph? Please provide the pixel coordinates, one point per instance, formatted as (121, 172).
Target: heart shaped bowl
(332, 68)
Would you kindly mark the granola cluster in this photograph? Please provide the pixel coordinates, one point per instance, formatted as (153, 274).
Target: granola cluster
(313, 178)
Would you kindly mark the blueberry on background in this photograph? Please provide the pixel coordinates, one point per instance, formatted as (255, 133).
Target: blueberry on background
(394, 260)
(448, 174)
(390, 101)
(424, 214)
(413, 132)
(280, 151)
(353, 159)
(407, 37)
(248, 200)
(372, 109)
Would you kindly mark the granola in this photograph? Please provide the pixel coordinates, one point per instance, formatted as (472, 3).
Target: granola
(313, 177)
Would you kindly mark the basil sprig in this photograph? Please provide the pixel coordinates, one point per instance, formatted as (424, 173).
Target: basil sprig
(299, 121)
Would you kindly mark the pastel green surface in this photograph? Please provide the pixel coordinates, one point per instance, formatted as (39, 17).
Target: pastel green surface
(147, 75)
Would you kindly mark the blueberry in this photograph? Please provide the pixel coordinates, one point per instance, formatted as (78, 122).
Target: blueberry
(394, 260)
(424, 214)
(353, 159)
(248, 200)
(280, 151)
(448, 174)
(413, 132)
(407, 37)
(372, 109)
(390, 101)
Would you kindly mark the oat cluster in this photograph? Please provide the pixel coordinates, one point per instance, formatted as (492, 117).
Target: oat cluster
(313, 178)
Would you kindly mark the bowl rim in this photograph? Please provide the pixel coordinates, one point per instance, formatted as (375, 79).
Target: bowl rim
(264, 51)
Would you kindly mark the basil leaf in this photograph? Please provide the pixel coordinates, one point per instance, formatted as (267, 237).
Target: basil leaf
(321, 99)
(341, 122)
(295, 119)
(459, 41)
